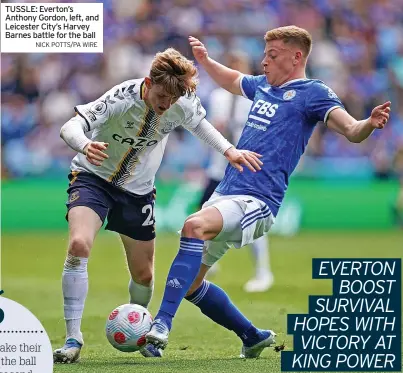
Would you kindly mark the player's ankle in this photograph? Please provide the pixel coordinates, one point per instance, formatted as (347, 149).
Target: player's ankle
(165, 318)
(77, 337)
(250, 336)
(263, 274)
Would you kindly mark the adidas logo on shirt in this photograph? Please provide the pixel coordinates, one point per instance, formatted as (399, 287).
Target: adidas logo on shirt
(174, 283)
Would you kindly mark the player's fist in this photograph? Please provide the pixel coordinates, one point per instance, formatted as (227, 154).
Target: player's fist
(238, 158)
(380, 115)
(94, 152)
(198, 49)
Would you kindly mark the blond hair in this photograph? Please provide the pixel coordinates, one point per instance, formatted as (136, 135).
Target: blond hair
(174, 72)
(292, 35)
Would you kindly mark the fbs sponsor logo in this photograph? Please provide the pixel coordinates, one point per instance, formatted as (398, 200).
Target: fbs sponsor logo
(262, 110)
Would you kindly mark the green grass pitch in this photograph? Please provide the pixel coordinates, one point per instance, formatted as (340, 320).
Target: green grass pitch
(31, 275)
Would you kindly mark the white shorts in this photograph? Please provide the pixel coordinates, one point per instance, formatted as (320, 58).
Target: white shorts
(245, 219)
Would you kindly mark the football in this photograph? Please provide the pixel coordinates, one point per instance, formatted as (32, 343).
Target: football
(127, 326)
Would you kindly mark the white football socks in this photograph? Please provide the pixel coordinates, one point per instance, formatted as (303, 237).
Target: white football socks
(75, 290)
(140, 294)
(260, 249)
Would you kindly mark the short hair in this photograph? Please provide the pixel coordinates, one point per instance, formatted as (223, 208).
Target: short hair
(292, 35)
(175, 72)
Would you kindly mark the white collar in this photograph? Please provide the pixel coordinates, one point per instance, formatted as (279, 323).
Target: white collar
(291, 81)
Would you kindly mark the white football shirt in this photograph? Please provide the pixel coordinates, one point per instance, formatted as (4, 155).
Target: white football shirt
(136, 134)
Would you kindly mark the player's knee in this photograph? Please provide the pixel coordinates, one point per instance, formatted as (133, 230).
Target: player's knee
(193, 228)
(144, 277)
(79, 246)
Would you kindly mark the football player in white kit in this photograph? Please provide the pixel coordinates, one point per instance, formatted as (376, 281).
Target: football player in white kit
(229, 118)
(112, 176)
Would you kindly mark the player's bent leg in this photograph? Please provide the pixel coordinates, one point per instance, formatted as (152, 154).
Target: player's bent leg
(133, 219)
(263, 279)
(213, 301)
(203, 225)
(198, 280)
(140, 260)
(84, 224)
(216, 305)
(207, 193)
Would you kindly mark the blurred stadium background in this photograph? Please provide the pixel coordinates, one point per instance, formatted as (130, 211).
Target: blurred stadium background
(344, 199)
(358, 51)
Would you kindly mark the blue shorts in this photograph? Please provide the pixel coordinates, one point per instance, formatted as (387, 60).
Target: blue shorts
(127, 213)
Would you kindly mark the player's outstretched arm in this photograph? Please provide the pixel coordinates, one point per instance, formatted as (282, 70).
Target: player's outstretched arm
(225, 77)
(72, 132)
(358, 130)
(238, 158)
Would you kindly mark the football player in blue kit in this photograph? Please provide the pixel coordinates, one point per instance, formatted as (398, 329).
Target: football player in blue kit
(285, 110)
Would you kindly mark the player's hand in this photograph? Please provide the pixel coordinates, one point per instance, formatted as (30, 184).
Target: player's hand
(199, 50)
(238, 158)
(94, 152)
(380, 115)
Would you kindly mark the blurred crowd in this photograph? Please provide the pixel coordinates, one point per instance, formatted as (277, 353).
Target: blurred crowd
(358, 51)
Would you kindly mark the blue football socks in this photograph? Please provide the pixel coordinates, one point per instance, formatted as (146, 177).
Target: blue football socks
(215, 304)
(183, 272)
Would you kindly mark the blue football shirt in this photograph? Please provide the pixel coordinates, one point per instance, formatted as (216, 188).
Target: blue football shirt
(280, 122)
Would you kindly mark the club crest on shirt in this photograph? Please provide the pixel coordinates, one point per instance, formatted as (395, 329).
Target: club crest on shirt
(289, 95)
(169, 126)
